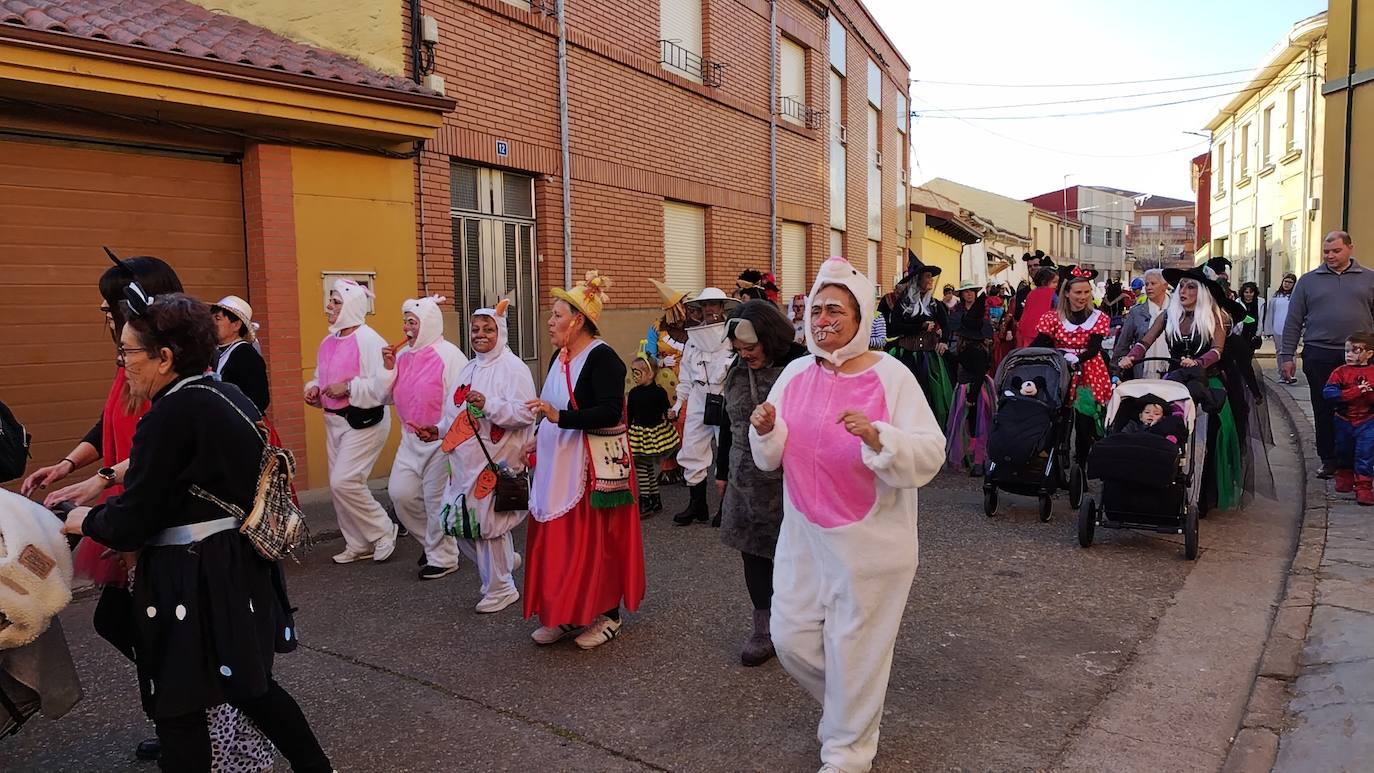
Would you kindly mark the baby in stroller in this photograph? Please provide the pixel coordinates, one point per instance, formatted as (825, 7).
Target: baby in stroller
(1157, 417)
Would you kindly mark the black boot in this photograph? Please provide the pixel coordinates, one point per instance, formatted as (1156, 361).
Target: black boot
(149, 749)
(646, 506)
(696, 507)
(656, 502)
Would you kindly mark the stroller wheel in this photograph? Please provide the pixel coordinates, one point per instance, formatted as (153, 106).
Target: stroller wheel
(1077, 486)
(1087, 521)
(1190, 532)
(989, 501)
(1046, 504)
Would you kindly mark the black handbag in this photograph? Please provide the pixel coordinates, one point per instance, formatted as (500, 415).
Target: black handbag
(512, 491)
(14, 446)
(713, 411)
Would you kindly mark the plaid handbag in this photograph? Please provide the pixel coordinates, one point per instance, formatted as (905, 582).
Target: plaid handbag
(276, 526)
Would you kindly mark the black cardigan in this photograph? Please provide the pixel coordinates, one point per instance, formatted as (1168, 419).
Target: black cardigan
(599, 391)
(246, 370)
(190, 436)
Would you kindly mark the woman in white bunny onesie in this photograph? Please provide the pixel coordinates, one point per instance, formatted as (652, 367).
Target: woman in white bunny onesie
(427, 370)
(486, 424)
(350, 385)
(855, 437)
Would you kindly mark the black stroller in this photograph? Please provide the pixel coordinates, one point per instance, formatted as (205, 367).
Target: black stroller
(1147, 481)
(1028, 445)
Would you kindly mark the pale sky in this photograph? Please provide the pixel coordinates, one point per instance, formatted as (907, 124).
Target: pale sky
(1014, 43)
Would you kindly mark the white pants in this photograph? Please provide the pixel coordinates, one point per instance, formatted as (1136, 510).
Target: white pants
(352, 453)
(698, 442)
(495, 559)
(838, 598)
(416, 487)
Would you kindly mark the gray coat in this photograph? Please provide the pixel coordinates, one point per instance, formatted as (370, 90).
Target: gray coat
(751, 514)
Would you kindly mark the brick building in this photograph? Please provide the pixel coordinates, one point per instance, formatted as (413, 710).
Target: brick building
(669, 140)
(1163, 234)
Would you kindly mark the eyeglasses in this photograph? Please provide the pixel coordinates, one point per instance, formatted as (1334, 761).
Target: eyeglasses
(124, 353)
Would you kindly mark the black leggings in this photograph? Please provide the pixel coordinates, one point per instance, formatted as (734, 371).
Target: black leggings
(758, 577)
(1085, 434)
(186, 738)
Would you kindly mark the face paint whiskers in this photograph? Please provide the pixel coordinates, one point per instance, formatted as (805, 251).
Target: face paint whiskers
(820, 332)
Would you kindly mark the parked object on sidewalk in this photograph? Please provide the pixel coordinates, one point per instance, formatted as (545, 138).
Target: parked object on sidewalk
(1029, 444)
(1329, 303)
(1148, 480)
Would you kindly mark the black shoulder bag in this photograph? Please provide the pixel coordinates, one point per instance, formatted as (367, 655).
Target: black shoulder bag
(14, 445)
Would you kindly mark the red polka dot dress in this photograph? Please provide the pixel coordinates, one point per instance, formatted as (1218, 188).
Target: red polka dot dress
(1074, 338)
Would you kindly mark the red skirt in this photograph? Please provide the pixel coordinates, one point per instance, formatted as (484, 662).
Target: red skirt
(583, 564)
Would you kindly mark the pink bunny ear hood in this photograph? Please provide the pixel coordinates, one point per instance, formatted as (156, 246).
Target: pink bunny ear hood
(431, 320)
(502, 331)
(354, 310)
(838, 271)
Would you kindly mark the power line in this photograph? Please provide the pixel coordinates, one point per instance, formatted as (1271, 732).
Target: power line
(1085, 85)
(1061, 152)
(1109, 111)
(1094, 99)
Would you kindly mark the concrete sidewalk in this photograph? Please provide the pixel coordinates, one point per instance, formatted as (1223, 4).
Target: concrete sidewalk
(1329, 678)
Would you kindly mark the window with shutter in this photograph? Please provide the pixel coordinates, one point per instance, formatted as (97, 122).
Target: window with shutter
(837, 44)
(684, 246)
(875, 85)
(493, 250)
(679, 26)
(837, 152)
(793, 259)
(872, 261)
(875, 179)
(792, 82)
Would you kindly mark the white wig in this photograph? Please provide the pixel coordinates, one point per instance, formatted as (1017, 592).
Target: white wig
(1206, 315)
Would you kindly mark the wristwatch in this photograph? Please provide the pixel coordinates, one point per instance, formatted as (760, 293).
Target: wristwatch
(107, 474)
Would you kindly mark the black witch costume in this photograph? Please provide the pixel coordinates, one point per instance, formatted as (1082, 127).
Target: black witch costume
(916, 323)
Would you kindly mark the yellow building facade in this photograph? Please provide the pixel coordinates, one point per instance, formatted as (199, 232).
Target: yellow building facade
(1268, 163)
(1348, 185)
(255, 181)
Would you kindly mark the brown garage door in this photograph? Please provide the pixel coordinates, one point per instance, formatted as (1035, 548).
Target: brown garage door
(58, 205)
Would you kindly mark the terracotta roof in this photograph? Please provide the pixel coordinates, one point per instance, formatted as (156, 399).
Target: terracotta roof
(179, 27)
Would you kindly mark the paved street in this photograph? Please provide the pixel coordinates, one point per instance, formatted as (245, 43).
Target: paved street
(1019, 651)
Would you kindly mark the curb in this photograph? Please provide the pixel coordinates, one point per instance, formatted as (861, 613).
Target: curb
(1256, 744)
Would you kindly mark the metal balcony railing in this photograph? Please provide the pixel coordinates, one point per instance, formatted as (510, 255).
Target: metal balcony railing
(796, 109)
(680, 59)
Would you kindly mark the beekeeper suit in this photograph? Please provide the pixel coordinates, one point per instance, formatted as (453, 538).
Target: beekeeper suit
(426, 375)
(494, 435)
(846, 554)
(355, 359)
(705, 358)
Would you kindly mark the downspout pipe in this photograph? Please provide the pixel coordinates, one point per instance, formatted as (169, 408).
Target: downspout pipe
(773, 137)
(1349, 116)
(416, 71)
(563, 141)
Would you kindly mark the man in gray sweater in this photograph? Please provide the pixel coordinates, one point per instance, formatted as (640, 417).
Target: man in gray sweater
(1329, 303)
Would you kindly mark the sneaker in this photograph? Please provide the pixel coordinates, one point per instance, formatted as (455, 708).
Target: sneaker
(490, 604)
(1327, 471)
(349, 555)
(550, 634)
(386, 545)
(602, 630)
(431, 572)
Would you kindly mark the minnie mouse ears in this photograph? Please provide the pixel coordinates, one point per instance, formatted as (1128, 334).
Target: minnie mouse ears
(1070, 273)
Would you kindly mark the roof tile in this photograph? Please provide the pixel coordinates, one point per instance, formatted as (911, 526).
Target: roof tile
(179, 27)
